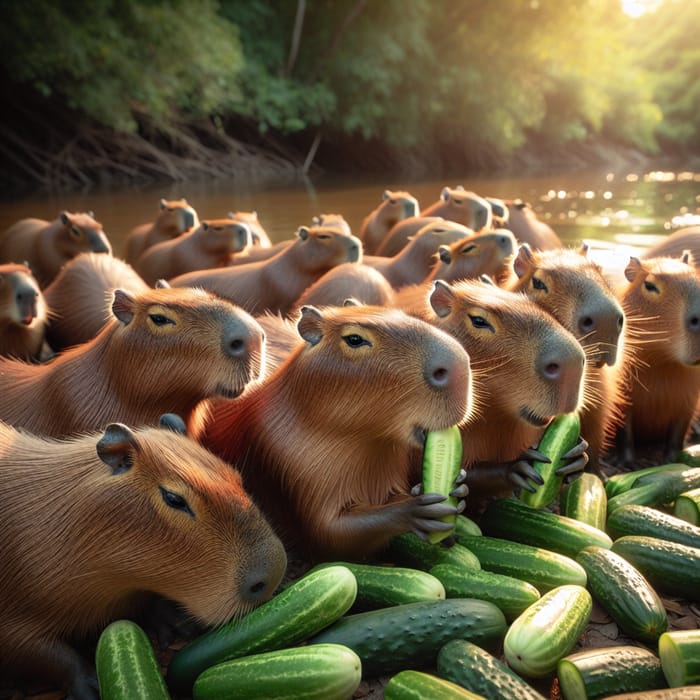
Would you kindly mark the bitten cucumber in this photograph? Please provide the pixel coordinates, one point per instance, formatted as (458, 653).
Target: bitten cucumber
(645, 520)
(585, 499)
(687, 506)
(560, 436)
(410, 550)
(126, 664)
(679, 651)
(419, 685)
(319, 672)
(547, 630)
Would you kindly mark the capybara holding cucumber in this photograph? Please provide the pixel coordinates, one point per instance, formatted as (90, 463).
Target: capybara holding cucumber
(163, 351)
(95, 525)
(329, 443)
(395, 206)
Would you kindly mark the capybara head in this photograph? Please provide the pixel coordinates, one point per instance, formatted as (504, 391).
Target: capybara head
(221, 236)
(21, 300)
(335, 221)
(176, 216)
(533, 366)
(80, 233)
(479, 254)
(259, 235)
(499, 211)
(458, 204)
(326, 247)
(395, 206)
(573, 289)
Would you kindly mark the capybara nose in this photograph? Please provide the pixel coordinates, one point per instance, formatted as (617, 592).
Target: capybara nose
(98, 242)
(264, 573)
(563, 367)
(241, 340)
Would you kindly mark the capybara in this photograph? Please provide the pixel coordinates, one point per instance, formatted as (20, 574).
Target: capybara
(395, 206)
(327, 443)
(174, 218)
(399, 234)
(276, 283)
(527, 369)
(662, 308)
(415, 261)
(79, 297)
(23, 315)
(336, 221)
(164, 351)
(44, 246)
(463, 206)
(499, 212)
(528, 228)
(209, 245)
(676, 243)
(572, 287)
(95, 525)
(250, 218)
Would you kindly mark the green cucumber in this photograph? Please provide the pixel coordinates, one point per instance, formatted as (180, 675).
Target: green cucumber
(644, 520)
(597, 673)
(585, 499)
(624, 593)
(659, 488)
(619, 483)
(687, 506)
(409, 636)
(512, 519)
(319, 672)
(407, 549)
(691, 692)
(126, 664)
(679, 651)
(542, 568)
(442, 461)
(510, 594)
(380, 586)
(419, 685)
(300, 610)
(670, 567)
(561, 435)
(547, 631)
(690, 455)
(476, 669)
(466, 526)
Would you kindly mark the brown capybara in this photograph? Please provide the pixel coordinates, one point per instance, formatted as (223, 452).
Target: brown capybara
(572, 287)
(662, 308)
(528, 228)
(164, 350)
(401, 233)
(395, 206)
(276, 283)
(79, 297)
(94, 526)
(257, 230)
(463, 206)
(23, 315)
(676, 243)
(327, 443)
(44, 246)
(415, 261)
(175, 217)
(527, 369)
(499, 212)
(209, 245)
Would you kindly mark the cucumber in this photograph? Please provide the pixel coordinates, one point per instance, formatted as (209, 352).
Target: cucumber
(512, 519)
(442, 461)
(381, 586)
(319, 672)
(466, 526)
(624, 593)
(561, 435)
(619, 483)
(407, 549)
(585, 499)
(474, 668)
(126, 664)
(660, 488)
(409, 636)
(547, 630)
(303, 608)
(687, 506)
(645, 520)
(597, 673)
(679, 651)
(510, 594)
(542, 568)
(690, 455)
(419, 685)
(691, 692)
(670, 567)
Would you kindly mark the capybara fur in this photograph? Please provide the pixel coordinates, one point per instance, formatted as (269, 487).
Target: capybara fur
(662, 307)
(95, 525)
(528, 228)
(79, 296)
(175, 217)
(327, 443)
(463, 206)
(258, 232)
(395, 206)
(276, 283)
(44, 246)
(676, 243)
(23, 315)
(164, 350)
(572, 287)
(209, 245)
(402, 232)
(336, 221)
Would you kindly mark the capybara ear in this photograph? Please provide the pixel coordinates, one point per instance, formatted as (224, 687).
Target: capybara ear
(486, 279)
(386, 195)
(116, 447)
(634, 267)
(351, 301)
(445, 194)
(64, 217)
(523, 260)
(310, 324)
(442, 298)
(163, 204)
(171, 421)
(161, 284)
(205, 225)
(583, 250)
(303, 232)
(123, 306)
(444, 254)
(687, 257)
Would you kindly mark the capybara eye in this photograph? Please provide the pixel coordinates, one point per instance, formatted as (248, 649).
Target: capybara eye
(175, 500)
(354, 340)
(75, 231)
(480, 322)
(323, 236)
(651, 287)
(539, 284)
(160, 320)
